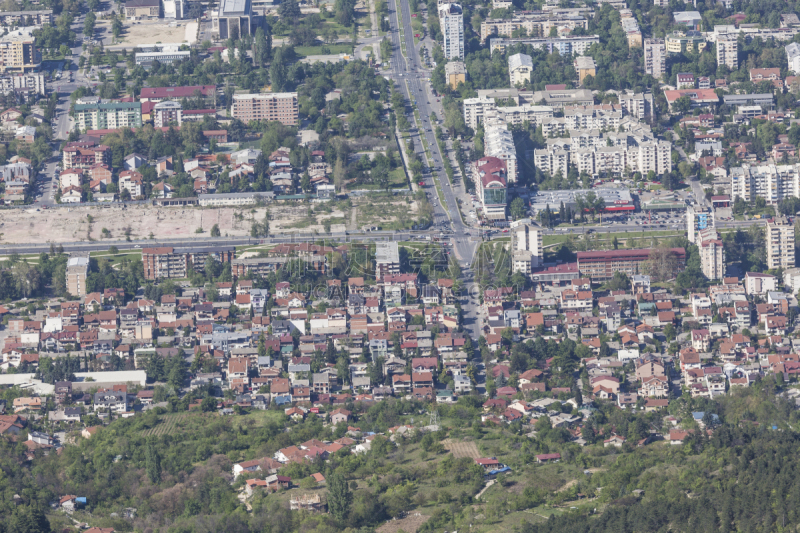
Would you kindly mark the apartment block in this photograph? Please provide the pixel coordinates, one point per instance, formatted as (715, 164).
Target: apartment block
(387, 259)
(499, 143)
(30, 83)
(454, 73)
(281, 107)
(166, 262)
(585, 66)
(566, 46)
(108, 116)
(728, 51)
(655, 57)
(526, 246)
(681, 42)
(26, 18)
(535, 23)
(712, 253)
(85, 154)
(793, 57)
(476, 110)
(18, 52)
(698, 219)
(770, 182)
(601, 265)
(77, 270)
(451, 21)
(520, 67)
(780, 243)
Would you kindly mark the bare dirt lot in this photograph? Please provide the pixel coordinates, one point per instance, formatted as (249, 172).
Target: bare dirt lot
(461, 449)
(410, 524)
(138, 34)
(87, 223)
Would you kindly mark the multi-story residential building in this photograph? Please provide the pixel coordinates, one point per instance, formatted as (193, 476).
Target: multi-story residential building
(166, 262)
(563, 97)
(536, 23)
(712, 253)
(85, 154)
(131, 181)
(281, 107)
(108, 116)
(477, 109)
(770, 182)
(793, 57)
(455, 72)
(26, 18)
(387, 259)
(30, 83)
(655, 57)
(18, 52)
(601, 265)
(166, 113)
(234, 17)
(77, 270)
(489, 175)
(526, 246)
(698, 218)
(780, 243)
(451, 21)
(632, 32)
(728, 51)
(165, 57)
(142, 9)
(499, 143)
(565, 46)
(520, 67)
(585, 66)
(682, 42)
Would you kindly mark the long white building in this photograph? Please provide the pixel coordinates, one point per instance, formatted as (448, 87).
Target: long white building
(499, 142)
(526, 246)
(476, 110)
(770, 182)
(712, 253)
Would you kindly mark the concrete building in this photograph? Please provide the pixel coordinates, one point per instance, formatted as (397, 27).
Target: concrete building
(728, 52)
(142, 9)
(455, 72)
(489, 175)
(281, 107)
(166, 113)
(585, 66)
(600, 266)
(563, 97)
(698, 219)
(26, 18)
(233, 19)
(387, 259)
(780, 243)
(451, 21)
(174, 9)
(632, 32)
(159, 94)
(499, 143)
(690, 19)
(77, 270)
(770, 182)
(165, 57)
(520, 67)
(478, 109)
(26, 84)
(565, 46)
(793, 57)
(108, 116)
(682, 42)
(18, 52)
(167, 262)
(535, 23)
(712, 253)
(616, 199)
(526, 246)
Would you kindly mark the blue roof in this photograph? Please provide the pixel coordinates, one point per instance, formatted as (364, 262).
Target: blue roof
(499, 471)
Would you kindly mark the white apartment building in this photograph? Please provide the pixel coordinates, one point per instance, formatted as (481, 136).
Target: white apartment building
(712, 253)
(476, 110)
(537, 24)
(451, 20)
(520, 67)
(780, 243)
(499, 142)
(655, 57)
(770, 182)
(526, 246)
(728, 51)
(793, 57)
(698, 219)
(566, 46)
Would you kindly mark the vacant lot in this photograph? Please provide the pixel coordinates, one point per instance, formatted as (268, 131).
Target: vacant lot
(409, 524)
(169, 424)
(138, 34)
(461, 449)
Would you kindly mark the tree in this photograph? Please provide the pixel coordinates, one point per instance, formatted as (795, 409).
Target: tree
(215, 230)
(289, 12)
(662, 264)
(305, 182)
(619, 282)
(340, 498)
(518, 208)
(153, 463)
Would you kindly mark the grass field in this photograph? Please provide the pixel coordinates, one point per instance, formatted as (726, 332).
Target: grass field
(338, 48)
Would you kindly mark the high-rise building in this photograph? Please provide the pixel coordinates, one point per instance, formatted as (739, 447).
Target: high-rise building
(712, 253)
(655, 57)
(387, 259)
(793, 57)
(698, 219)
(77, 270)
(18, 52)
(780, 243)
(728, 51)
(773, 183)
(281, 107)
(451, 20)
(526, 246)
